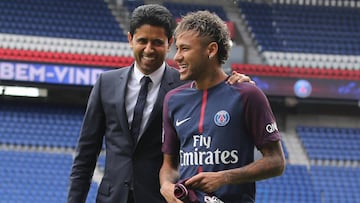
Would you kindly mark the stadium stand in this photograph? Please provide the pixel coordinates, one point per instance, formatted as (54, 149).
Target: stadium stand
(64, 32)
(89, 20)
(325, 143)
(131, 5)
(35, 140)
(40, 125)
(314, 40)
(297, 72)
(180, 9)
(35, 177)
(343, 182)
(295, 185)
(279, 32)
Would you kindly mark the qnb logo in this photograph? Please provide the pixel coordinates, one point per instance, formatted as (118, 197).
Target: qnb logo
(271, 127)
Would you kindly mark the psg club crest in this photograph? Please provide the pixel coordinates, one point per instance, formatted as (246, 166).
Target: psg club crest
(302, 88)
(222, 118)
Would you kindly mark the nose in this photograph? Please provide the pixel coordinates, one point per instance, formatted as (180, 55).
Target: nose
(177, 56)
(148, 48)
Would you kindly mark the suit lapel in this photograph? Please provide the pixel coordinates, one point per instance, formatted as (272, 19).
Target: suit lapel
(121, 95)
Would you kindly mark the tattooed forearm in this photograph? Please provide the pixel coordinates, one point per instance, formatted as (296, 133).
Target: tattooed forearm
(272, 164)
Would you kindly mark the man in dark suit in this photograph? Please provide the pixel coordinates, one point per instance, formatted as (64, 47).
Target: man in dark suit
(132, 162)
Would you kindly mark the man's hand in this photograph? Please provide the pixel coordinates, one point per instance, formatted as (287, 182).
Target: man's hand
(236, 77)
(167, 191)
(206, 181)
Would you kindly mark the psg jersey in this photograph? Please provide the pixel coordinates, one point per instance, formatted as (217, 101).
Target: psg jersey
(217, 129)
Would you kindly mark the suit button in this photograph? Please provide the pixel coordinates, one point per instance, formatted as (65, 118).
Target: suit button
(127, 184)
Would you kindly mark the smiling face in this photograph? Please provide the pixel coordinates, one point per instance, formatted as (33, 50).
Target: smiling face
(192, 56)
(150, 46)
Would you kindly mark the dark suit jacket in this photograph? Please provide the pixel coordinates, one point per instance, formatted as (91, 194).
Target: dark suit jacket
(126, 161)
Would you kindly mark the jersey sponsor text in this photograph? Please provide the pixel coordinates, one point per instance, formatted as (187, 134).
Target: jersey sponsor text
(207, 157)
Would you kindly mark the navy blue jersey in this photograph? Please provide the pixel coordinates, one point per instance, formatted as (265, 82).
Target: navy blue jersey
(217, 129)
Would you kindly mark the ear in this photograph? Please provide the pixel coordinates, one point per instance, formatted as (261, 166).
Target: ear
(212, 49)
(130, 38)
(171, 41)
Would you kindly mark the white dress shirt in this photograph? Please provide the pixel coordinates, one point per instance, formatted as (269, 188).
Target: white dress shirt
(133, 89)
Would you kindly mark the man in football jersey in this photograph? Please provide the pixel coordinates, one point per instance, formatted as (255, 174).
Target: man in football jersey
(211, 127)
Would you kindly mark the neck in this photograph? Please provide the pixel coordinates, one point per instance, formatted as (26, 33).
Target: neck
(211, 79)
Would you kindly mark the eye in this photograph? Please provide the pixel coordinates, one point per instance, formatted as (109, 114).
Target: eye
(158, 42)
(182, 48)
(141, 41)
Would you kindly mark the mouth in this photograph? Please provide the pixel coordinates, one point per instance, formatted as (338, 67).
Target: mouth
(149, 58)
(182, 67)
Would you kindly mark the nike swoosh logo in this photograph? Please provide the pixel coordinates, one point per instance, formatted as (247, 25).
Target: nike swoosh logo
(178, 123)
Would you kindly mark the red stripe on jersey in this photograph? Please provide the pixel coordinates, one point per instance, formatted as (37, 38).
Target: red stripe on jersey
(202, 113)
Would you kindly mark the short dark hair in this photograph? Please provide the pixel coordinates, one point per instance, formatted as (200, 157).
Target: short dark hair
(211, 27)
(154, 15)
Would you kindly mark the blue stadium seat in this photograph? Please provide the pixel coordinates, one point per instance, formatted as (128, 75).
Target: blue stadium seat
(336, 184)
(305, 29)
(36, 177)
(295, 185)
(326, 143)
(180, 9)
(40, 125)
(90, 20)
